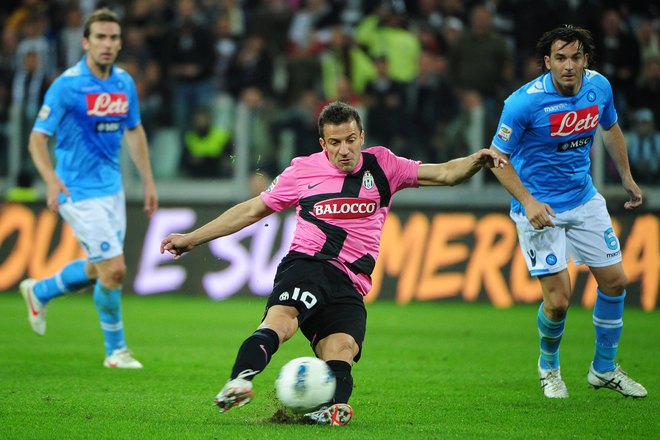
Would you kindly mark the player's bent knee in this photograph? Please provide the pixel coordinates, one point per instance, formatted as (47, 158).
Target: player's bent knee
(285, 331)
(118, 274)
(110, 270)
(338, 346)
(112, 277)
(282, 320)
(556, 309)
(618, 283)
(612, 281)
(117, 271)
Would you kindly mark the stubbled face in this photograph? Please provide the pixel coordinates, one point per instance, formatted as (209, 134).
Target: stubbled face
(343, 144)
(566, 64)
(103, 44)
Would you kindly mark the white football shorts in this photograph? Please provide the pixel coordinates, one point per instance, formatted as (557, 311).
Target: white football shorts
(584, 233)
(99, 225)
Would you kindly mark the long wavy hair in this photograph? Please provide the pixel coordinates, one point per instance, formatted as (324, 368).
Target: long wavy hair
(569, 34)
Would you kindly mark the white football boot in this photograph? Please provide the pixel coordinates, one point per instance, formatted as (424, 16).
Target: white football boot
(36, 310)
(617, 380)
(552, 384)
(338, 414)
(236, 392)
(121, 358)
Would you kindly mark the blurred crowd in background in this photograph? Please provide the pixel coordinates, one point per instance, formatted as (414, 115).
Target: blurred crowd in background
(221, 77)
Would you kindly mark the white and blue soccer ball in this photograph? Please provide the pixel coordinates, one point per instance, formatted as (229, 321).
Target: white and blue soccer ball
(305, 383)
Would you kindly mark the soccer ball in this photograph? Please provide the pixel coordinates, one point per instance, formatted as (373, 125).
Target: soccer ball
(305, 383)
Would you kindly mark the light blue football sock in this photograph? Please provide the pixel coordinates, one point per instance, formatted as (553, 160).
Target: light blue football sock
(550, 333)
(608, 322)
(108, 304)
(70, 279)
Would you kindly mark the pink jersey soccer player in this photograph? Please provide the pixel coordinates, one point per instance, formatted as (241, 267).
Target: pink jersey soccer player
(342, 195)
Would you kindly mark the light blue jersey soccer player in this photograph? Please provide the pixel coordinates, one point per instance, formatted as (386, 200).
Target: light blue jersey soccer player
(547, 129)
(90, 106)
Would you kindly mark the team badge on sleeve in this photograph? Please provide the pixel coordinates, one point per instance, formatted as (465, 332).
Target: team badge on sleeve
(368, 180)
(272, 184)
(43, 113)
(504, 133)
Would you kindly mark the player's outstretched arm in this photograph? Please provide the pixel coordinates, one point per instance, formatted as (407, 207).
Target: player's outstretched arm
(38, 147)
(616, 147)
(138, 149)
(538, 213)
(232, 220)
(458, 170)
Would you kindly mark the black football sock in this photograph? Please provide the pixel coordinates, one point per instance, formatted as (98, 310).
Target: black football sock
(255, 353)
(344, 388)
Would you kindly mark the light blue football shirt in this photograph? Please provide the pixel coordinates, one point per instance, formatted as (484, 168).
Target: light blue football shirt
(88, 115)
(548, 138)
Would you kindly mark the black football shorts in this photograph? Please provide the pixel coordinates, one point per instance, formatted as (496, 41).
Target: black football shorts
(326, 299)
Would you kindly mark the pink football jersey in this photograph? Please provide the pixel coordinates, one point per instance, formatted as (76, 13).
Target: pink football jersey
(340, 216)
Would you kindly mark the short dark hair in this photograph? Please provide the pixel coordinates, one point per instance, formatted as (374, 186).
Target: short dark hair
(569, 34)
(103, 14)
(336, 113)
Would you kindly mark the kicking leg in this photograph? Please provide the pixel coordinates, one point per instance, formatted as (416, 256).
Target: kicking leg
(255, 353)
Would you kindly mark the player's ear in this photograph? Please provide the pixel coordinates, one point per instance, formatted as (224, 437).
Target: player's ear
(586, 60)
(546, 60)
(322, 142)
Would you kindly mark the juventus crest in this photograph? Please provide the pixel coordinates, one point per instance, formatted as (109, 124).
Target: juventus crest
(368, 180)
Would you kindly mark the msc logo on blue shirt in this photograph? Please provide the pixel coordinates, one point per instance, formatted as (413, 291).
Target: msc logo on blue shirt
(107, 127)
(575, 143)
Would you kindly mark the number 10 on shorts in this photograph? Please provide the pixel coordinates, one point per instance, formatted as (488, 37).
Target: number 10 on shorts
(307, 298)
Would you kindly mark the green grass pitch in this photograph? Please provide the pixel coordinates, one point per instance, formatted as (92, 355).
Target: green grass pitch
(430, 371)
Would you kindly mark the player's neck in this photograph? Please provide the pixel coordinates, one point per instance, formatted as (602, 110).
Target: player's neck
(101, 71)
(567, 91)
